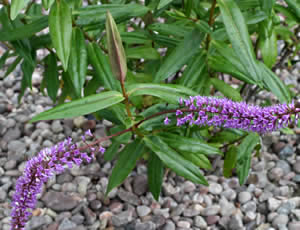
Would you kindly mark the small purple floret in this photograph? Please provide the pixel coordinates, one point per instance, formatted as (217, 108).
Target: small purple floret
(167, 121)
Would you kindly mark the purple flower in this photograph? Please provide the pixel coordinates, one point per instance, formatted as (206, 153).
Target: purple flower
(102, 150)
(37, 171)
(166, 121)
(222, 112)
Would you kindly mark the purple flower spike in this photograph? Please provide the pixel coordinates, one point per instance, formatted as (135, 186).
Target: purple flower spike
(167, 121)
(222, 112)
(37, 171)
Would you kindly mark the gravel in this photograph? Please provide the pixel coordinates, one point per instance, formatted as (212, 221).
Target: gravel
(76, 199)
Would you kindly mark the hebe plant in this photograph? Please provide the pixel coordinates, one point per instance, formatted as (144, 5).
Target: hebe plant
(145, 75)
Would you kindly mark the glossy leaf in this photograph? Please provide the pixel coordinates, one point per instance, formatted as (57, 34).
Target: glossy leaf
(111, 151)
(116, 50)
(230, 161)
(3, 58)
(226, 89)
(244, 156)
(295, 6)
(12, 66)
(163, 3)
(168, 92)
(239, 37)
(16, 7)
(60, 26)
(78, 61)
(268, 47)
(81, 106)
(24, 31)
(142, 52)
(198, 159)
(174, 161)
(51, 76)
(101, 66)
(155, 175)
(47, 3)
(125, 163)
(180, 55)
(188, 144)
(27, 70)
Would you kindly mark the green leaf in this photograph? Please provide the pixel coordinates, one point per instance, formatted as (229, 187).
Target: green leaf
(239, 37)
(81, 106)
(170, 29)
(125, 164)
(140, 52)
(116, 50)
(163, 3)
(155, 175)
(230, 161)
(60, 26)
(244, 156)
(174, 161)
(198, 159)
(180, 55)
(51, 76)
(12, 66)
(274, 84)
(226, 89)
(188, 144)
(27, 70)
(101, 66)
(47, 3)
(16, 7)
(267, 6)
(95, 16)
(268, 47)
(111, 151)
(168, 92)
(3, 58)
(78, 61)
(24, 31)
(295, 6)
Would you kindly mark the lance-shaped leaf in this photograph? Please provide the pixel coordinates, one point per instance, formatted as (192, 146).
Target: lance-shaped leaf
(47, 3)
(78, 61)
(155, 175)
(60, 25)
(16, 7)
(51, 76)
(81, 106)
(116, 51)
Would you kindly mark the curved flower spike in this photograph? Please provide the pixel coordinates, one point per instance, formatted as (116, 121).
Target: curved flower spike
(222, 112)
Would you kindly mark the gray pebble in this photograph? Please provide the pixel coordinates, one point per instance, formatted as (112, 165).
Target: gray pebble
(145, 226)
(211, 210)
(169, 225)
(189, 186)
(273, 204)
(244, 197)
(285, 166)
(280, 220)
(215, 188)
(235, 223)
(36, 222)
(275, 174)
(286, 152)
(143, 210)
(140, 185)
(296, 166)
(11, 164)
(200, 222)
(56, 126)
(183, 224)
(286, 207)
(128, 197)
(59, 201)
(122, 218)
(66, 224)
(294, 225)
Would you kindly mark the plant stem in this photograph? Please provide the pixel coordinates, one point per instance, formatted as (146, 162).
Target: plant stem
(211, 21)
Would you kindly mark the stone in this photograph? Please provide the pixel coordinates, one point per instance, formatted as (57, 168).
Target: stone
(169, 225)
(278, 146)
(162, 212)
(12, 134)
(286, 208)
(200, 222)
(169, 190)
(294, 225)
(77, 219)
(249, 207)
(280, 220)
(286, 152)
(140, 185)
(296, 166)
(122, 218)
(189, 186)
(230, 194)
(296, 212)
(273, 204)
(227, 208)
(178, 210)
(128, 197)
(90, 216)
(104, 218)
(296, 178)
(244, 197)
(95, 205)
(159, 220)
(211, 220)
(66, 224)
(82, 182)
(235, 223)
(143, 210)
(116, 207)
(59, 201)
(18, 149)
(215, 188)
(183, 224)
(145, 226)
(36, 222)
(193, 210)
(275, 174)
(285, 166)
(211, 210)
(3, 195)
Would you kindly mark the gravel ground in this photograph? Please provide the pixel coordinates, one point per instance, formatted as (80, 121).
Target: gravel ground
(75, 199)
